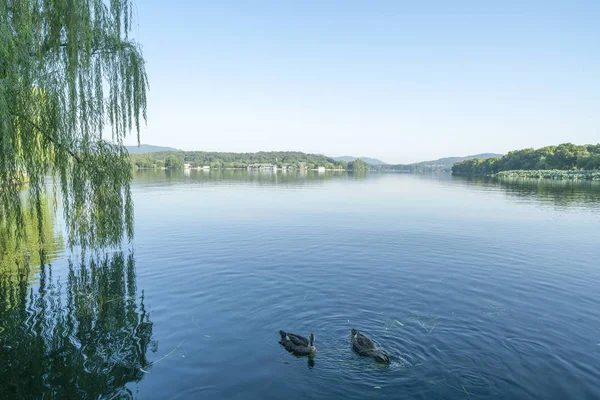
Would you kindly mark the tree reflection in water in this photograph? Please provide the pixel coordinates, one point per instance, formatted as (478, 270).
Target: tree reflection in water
(86, 339)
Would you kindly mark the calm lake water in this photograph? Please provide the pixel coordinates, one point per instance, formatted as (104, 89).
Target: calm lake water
(477, 290)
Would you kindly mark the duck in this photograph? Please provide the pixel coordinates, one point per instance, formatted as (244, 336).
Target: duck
(297, 344)
(364, 346)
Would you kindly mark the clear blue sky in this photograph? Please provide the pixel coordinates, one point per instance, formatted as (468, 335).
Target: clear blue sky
(399, 80)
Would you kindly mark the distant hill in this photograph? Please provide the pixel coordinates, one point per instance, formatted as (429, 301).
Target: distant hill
(370, 161)
(441, 164)
(450, 161)
(148, 148)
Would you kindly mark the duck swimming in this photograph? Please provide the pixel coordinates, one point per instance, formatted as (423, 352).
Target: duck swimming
(297, 344)
(366, 347)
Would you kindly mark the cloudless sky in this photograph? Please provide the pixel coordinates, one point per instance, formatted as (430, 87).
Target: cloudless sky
(398, 80)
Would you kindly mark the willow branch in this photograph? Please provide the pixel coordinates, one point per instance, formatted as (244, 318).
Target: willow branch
(49, 137)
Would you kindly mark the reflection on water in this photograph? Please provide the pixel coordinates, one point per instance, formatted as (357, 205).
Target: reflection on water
(24, 252)
(559, 193)
(228, 177)
(86, 335)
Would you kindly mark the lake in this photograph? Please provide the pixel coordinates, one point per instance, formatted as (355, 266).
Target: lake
(477, 289)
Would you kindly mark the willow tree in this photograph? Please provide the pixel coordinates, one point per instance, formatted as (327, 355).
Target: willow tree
(72, 86)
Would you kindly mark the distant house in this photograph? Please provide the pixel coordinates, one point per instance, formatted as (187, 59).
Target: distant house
(321, 169)
(187, 165)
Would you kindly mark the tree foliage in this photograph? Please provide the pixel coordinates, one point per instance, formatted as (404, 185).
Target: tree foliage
(233, 160)
(566, 156)
(70, 75)
(358, 165)
(174, 162)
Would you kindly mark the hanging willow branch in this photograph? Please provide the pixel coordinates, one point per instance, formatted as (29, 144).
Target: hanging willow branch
(72, 86)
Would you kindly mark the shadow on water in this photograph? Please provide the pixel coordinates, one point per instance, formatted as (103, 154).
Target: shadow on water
(87, 339)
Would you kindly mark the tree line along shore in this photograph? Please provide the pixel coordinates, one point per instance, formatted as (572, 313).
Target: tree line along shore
(261, 160)
(565, 161)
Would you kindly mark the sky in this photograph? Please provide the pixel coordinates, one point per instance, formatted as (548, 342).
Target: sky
(403, 81)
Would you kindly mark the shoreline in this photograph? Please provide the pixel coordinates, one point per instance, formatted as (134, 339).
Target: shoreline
(551, 174)
(239, 169)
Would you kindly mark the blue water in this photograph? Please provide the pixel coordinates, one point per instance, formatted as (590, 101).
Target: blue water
(477, 290)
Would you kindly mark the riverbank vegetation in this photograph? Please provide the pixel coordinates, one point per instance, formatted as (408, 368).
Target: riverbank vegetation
(565, 161)
(218, 160)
